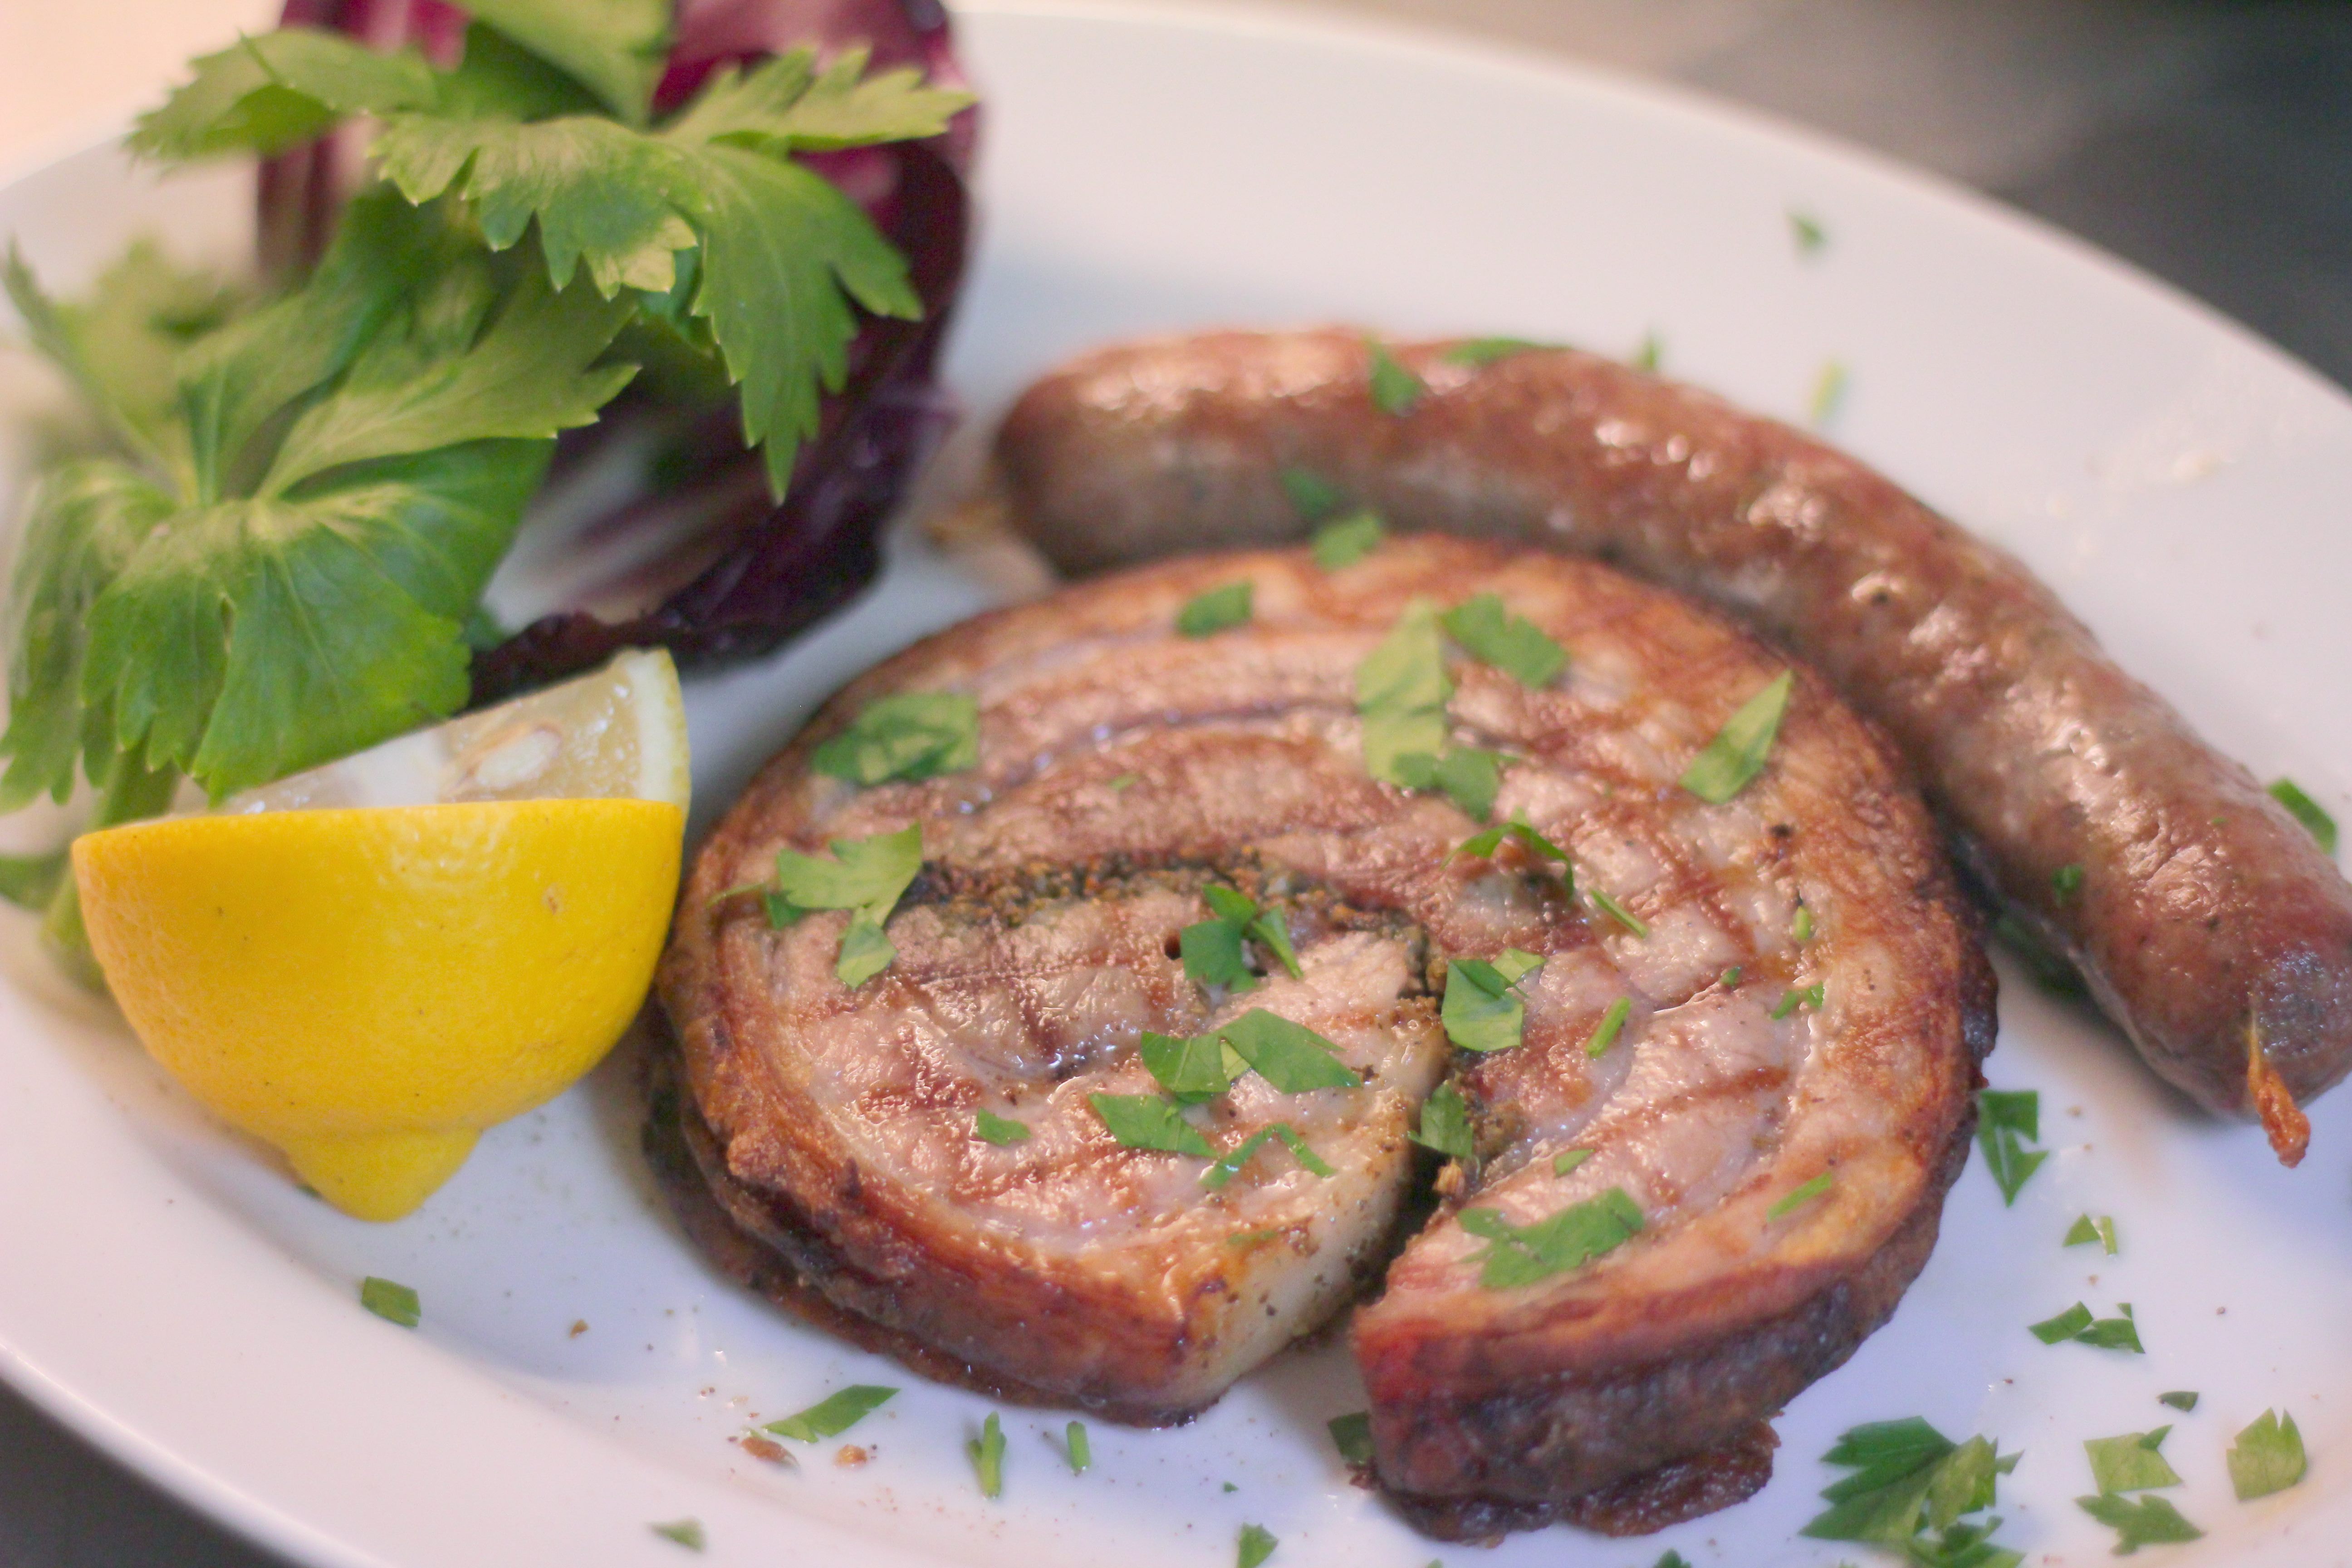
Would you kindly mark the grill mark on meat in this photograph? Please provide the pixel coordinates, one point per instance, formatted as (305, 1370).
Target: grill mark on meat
(834, 1127)
(2207, 915)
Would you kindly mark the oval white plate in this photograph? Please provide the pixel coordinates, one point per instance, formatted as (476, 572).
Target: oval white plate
(168, 1293)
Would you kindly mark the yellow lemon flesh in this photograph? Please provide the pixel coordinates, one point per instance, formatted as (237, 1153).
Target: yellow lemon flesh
(368, 988)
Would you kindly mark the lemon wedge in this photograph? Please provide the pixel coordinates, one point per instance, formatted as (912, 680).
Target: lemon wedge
(367, 965)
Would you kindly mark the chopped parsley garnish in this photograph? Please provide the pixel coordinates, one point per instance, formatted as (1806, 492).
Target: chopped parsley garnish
(1568, 1160)
(1483, 1010)
(1122, 784)
(1315, 496)
(1672, 1559)
(1479, 352)
(1482, 845)
(989, 1127)
(1352, 1436)
(1446, 1124)
(1793, 998)
(1401, 693)
(835, 1414)
(1347, 540)
(1603, 900)
(908, 735)
(2267, 1457)
(1149, 1122)
(1808, 233)
(2131, 1462)
(1213, 948)
(2006, 1120)
(1257, 1544)
(1218, 609)
(1799, 1197)
(1291, 1057)
(1512, 644)
(867, 877)
(987, 1455)
(1605, 1032)
(2139, 1522)
(1730, 977)
(1192, 1069)
(1802, 928)
(1471, 777)
(1227, 1168)
(2049, 968)
(1650, 355)
(395, 1303)
(1828, 393)
(1395, 389)
(2066, 882)
(1252, 1237)
(1075, 1444)
(2086, 1230)
(686, 1533)
(2181, 1399)
(1909, 1478)
(2075, 1323)
(2305, 810)
(1727, 764)
(1522, 1255)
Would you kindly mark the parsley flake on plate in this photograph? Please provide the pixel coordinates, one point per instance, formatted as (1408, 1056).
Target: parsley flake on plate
(393, 1302)
(1220, 609)
(1483, 1010)
(2143, 1521)
(686, 1533)
(1256, 1544)
(2305, 810)
(865, 875)
(2120, 1333)
(2131, 1462)
(1149, 1122)
(987, 1455)
(1522, 1255)
(1489, 633)
(1605, 1032)
(1908, 1479)
(1828, 393)
(1352, 1436)
(1347, 540)
(1729, 763)
(2267, 1457)
(1807, 231)
(2006, 1120)
(835, 1414)
(1003, 1130)
(908, 735)
(1395, 389)
(1446, 1124)
(2181, 1399)
(2086, 1231)
(1077, 1447)
(1650, 354)
(1230, 1166)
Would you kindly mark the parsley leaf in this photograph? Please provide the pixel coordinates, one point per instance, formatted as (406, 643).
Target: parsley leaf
(1192, 1070)
(1000, 1129)
(1217, 610)
(835, 1414)
(1522, 1255)
(278, 90)
(2064, 1326)
(2086, 1231)
(1908, 1479)
(1394, 388)
(391, 1301)
(1213, 951)
(2066, 882)
(1808, 232)
(1257, 1544)
(1401, 691)
(1650, 352)
(1347, 540)
(987, 1455)
(1230, 1166)
(1479, 352)
(2131, 1462)
(2267, 1457)
(1352, 1436)
(1568, 1160)
(1483, 1010)
(1471, 778)
(1315, 496)
(2006, 1120)
(1512, 644)
(1075, 1444)
(616, 48)
(2305, 810)
(1482, 845)
(906, 735)
(1798, 1197)
(1149, 1121)
(1727, 764)
(2139, 1522)
(1446, 1124)
(2117, 1333)
(686, 1533)
(1606, 902)
(2180, 1399)
(1828, 393)
(867, 877)
(1605, 1032)
(1291, 1057)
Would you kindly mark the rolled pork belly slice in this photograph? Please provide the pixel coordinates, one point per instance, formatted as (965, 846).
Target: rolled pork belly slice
(1124, 771)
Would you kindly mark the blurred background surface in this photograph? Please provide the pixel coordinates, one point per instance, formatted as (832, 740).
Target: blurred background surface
(2206, 142)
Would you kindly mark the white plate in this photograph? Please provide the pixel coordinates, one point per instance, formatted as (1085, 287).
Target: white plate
(165, 1291)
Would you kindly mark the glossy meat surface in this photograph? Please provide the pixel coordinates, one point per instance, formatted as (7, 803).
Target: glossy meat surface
(1122, 767)
(2208, 923)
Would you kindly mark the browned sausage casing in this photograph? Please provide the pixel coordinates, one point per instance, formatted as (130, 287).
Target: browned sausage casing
(2207, 921)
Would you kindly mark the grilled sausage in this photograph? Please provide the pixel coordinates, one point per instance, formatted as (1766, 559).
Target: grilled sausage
(2208, 923)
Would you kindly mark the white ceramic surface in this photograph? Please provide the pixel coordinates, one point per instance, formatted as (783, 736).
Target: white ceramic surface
(166, 1291)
